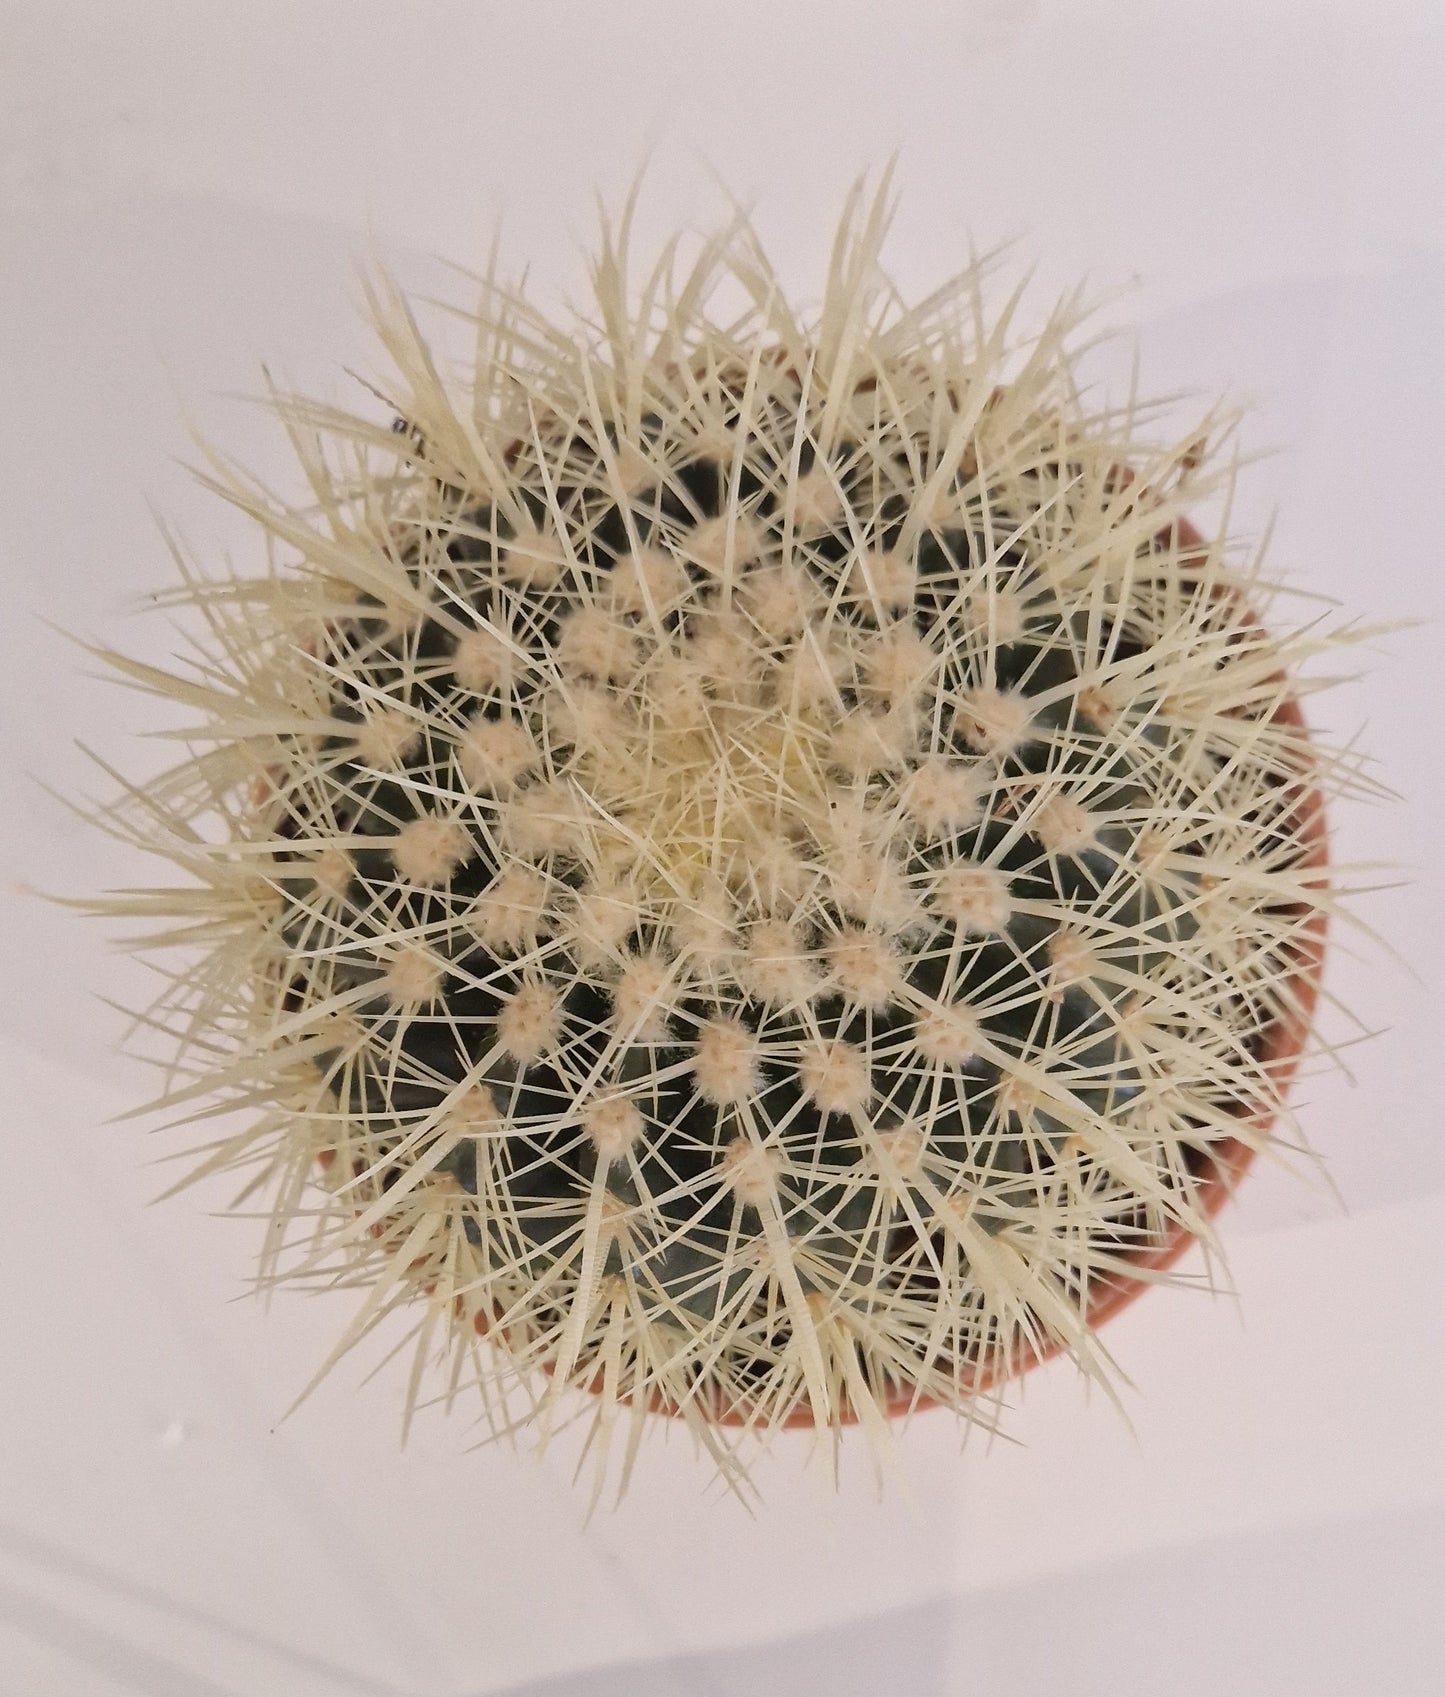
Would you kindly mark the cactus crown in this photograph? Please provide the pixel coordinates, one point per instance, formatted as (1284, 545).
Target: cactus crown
(751, 865)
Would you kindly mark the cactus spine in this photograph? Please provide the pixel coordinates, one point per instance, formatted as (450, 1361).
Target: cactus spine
(761, 867)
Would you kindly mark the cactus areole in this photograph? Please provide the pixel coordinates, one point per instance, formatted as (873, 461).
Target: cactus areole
(755, 866)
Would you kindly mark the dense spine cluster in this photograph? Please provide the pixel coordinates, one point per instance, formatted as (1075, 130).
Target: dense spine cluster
(764, 867)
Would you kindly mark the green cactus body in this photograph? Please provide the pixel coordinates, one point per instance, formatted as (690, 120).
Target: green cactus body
(773, 865)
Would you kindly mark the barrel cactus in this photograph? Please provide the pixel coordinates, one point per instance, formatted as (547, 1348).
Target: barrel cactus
(751, 868)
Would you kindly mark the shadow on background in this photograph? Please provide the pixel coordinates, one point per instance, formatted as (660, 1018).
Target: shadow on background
(1348, 1609)
(157, 1669)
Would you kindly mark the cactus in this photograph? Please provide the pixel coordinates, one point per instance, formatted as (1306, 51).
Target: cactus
(755, 869)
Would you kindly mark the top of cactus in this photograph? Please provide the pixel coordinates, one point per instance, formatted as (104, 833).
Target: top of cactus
(760, 860)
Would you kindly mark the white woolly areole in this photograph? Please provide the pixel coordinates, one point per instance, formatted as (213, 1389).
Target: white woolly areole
(727, 542)
(642, 1001)
(385, 739)
(413, 976)
(602, 918)
(835, 1076)
(492, 754)
(595, 645)
(779, 967)
(948, 1034)
(810, 672)
(614, 1125)
(476, 1113)
(994, 721)
(529, 1022)
(884, 580)
(902, 1151)
(507, 917)
(943, 795)
(975, 897)
(1062, 825)
(704, 931)
(751, 1172)
(780, 600)
(866, 743)
(816, 504)
(864, 966)
(533, 556)
(333, 870)
(648, 579)
(428, 850)
(898, 667)
(727, 1060)
(590, 717)
(481, 660)
(542, 821)
(1071, 957)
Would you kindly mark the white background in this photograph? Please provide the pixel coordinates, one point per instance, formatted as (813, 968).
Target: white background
(188, 190)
